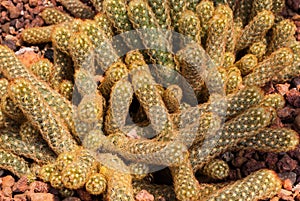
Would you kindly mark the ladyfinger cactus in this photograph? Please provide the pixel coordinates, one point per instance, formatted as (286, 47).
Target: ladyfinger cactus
(271, 140)
(66, 89)
(60, 38)
(97, 4)
(104, 24)
(260, 5)
(161, 10)
(275, 100)
(216, 169)
(84, 82)
(216, 38)
(41, 116)
(3, 86)
(189, 25)
(247, 63)
(259, 185)
(256, 29)
(282, 34)
(38, 35)
(258, 49)
(115, 72)
(96, 184)
(278, 5)
(12, 110)
(42, 69)
(176, 10)
(55, 16)
(271, 65)
(234, 79)
(75, 175)
(205, 10)
(13, 163)
(186, 185)
(77, 8)
(172, 97)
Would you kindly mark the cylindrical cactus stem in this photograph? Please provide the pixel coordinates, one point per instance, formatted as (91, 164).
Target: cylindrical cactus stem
(64, 159)
(260, 5)
(119, 180)
(42, 69)
(60, 38)
(282, 34)
(172, 97)
(192, 4)
(217, 38)
(15, 69)
(209, 189)
(55, 179)
(104, 52)
(120, 100)
(150, 151)
(271, 140)
(161, 10)
(139, 171)
(63, 68)
(38, 35)
(152, 102)
(247, 63)
(55, 16)
(96, 184)
(229, 59)
(115, 72)
(243, 100)
(75, 175)
(189, 25)
(10, 109)
(45, 171)
(233, 132)
(3, 86)
(256, 29)
(158, 191)
(276, 101)
(269, 67)
(278, 5)
(243, 11)
(17, 146)
(176, 10)
(13, 163)
(259, 185)
(77, 8)
(205, 10)
(41, 116)
(186, 186)
(97, 4)
(85, 82)
(216, 169)
(66, 89)
(104, 24)
(82, 52)
(234, 80)
(258, 49)
(231, 35)
(134, 56)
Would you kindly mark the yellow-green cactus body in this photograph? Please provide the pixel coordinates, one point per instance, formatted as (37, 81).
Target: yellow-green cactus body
(10, 109)
(192, 4)
(120, 100)
(186, 186)
(271, 65)
(172, 97)
(38, 35)
(278, 5)
(75, 175)
(64, 159)
(97, 4)
(273, 100)
(66, 89)
(3, 86)
(45, 171)
(60, 38)
(176, 9)
(216, 169)
(13, 163)
(243, 12)
(189, 25)
(54, 16)
(258, 49)
(115, 72)
(217, 37)
(104, 23)
(229, 59)
(271, 140)
(42, 69)
(234, 79)
(247, 63)
(256, 29)
(260, 5)
(282, 34)
(259, 185)
(55, 179)
(205, 10)
(77, 8)
(42, 116)
(96, 184)
(84, 82)
(161, 11)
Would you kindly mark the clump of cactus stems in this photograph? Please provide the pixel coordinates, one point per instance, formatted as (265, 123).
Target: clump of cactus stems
(188, 107)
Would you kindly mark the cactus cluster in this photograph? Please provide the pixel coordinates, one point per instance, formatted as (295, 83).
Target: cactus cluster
(180, 85)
